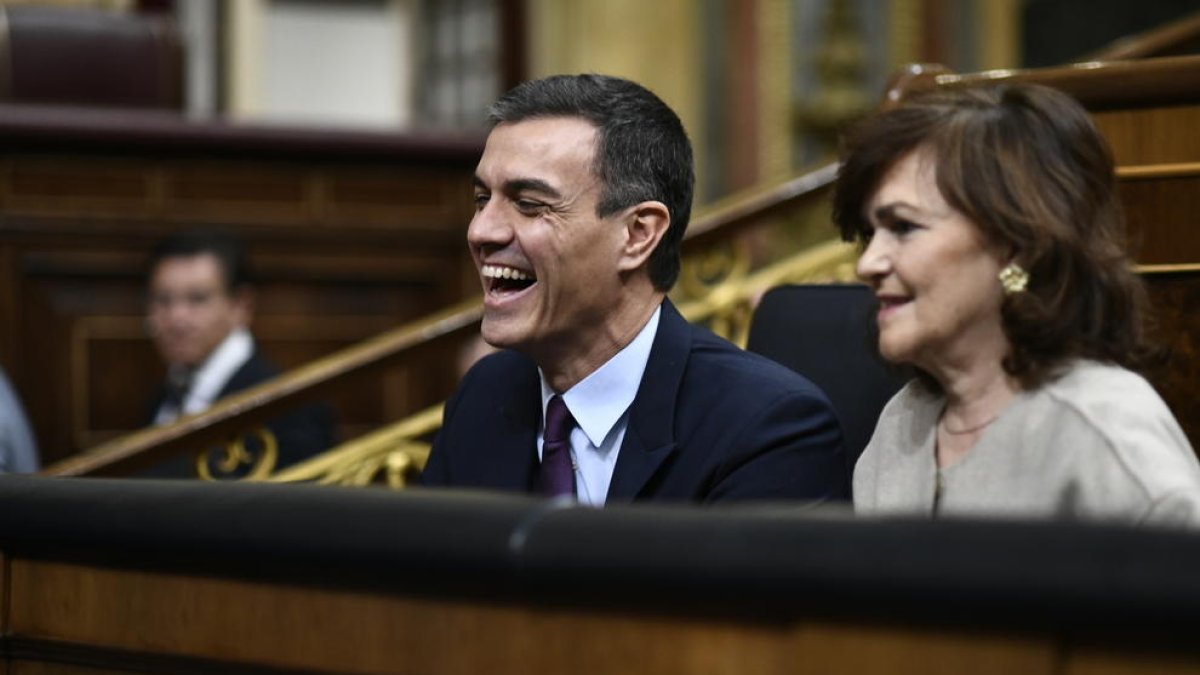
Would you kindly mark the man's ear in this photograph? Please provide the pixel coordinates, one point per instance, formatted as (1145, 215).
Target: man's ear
(243, 306)
(644, 228)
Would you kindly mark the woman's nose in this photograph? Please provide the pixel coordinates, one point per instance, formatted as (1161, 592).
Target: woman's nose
(874, 262)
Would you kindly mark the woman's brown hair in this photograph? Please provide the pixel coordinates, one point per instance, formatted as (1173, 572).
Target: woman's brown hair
(1026, 164)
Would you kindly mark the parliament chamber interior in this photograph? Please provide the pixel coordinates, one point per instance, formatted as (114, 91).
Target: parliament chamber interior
(367, 299)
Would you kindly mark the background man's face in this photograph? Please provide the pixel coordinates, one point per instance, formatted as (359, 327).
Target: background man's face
(190, 310)
(547, 263)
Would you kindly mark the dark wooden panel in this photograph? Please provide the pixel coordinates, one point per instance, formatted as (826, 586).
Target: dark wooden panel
(1164, 218)
(1151, 136)
(1176, 301)
(342, 631)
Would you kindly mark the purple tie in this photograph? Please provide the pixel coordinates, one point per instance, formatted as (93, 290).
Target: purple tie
(557, 476)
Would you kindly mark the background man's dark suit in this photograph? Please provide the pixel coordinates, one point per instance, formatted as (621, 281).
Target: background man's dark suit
(301, 434)
(710, 422)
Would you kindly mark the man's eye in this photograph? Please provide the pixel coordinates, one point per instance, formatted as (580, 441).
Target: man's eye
(481, 200)
(528, 206)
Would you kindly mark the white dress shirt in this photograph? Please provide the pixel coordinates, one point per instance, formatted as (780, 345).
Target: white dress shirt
(600, 405)
(208, 380)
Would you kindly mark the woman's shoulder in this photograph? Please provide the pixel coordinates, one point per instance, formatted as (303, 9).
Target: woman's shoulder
(1121, 440)
(1098, 390)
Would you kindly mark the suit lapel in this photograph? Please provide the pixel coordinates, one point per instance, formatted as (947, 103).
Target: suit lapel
(650, 436)
(513, 447)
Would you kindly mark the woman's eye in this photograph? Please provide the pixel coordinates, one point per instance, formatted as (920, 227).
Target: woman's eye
(902, 227)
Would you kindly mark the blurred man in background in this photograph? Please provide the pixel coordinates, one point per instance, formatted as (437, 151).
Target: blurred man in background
(199, 307)
(18, 451)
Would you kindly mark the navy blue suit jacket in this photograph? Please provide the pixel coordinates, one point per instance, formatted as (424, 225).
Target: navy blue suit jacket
(302, 433)
(710, 422)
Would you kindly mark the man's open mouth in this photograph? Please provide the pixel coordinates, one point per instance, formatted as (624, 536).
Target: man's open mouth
(501, 279)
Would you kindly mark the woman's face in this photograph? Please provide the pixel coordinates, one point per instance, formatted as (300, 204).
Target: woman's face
(933, 274)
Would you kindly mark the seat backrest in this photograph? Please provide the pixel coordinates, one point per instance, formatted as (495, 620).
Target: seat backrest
(89, 57)
(824, 332)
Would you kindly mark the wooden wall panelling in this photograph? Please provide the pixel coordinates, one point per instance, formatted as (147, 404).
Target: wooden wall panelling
(1151, 135)
(1158, 166)
(122, 613)
(1175, 297)
(1163, 213)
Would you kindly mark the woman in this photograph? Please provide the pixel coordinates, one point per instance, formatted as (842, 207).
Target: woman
(993, 240)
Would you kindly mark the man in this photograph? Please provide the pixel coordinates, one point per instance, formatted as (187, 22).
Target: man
(200, 304)
(603, 391)
(18, 449)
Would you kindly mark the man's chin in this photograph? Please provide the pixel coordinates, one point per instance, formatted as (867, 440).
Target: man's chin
(499, 335)
(178, 358)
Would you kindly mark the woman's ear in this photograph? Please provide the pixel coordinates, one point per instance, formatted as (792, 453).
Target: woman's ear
(644, 228)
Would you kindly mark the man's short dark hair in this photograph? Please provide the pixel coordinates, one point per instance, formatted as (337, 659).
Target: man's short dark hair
(225, 247)
(642, 152)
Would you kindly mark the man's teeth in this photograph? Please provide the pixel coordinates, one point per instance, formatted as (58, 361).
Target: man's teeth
(498, 272)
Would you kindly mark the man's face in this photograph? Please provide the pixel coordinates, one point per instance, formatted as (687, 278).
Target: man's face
(189, 309)
(548, 264)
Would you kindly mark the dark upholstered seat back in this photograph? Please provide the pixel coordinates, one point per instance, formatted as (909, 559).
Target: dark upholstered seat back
(86, 57)
(824, 333)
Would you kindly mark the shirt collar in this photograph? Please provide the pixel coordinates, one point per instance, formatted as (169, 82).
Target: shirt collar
(599, 400)
(221, 364)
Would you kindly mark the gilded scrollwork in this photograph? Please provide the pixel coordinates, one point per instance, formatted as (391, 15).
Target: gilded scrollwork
(716, 265)
(391, 456)
(237, 454)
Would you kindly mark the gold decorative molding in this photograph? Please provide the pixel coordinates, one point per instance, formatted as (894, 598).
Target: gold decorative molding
(729, 307)
(237, 453)
(394, 454)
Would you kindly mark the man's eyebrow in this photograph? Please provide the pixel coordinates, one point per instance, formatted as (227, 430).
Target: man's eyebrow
(518, 185)
(530, 185)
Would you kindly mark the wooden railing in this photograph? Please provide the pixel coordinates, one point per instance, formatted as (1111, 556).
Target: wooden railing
(1173, 39)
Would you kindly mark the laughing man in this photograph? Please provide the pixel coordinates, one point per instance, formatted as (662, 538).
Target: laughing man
(602, 390)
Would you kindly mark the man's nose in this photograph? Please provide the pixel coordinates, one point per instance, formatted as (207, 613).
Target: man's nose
(172, 310)
(490, 227)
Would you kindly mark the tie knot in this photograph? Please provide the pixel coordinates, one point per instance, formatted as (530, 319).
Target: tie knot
(179, 381)
(559, 421)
